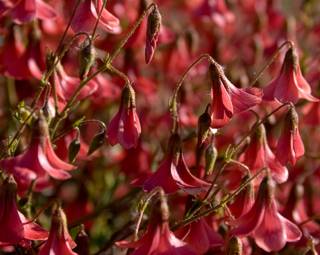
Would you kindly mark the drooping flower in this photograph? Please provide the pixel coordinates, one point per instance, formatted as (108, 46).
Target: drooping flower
(290, 146)
(152, 35)
(258, 155)
(59, 240)
(87, 14)
(227, 99)
(24, 11)
(200, 236)
(124, 128)
(66, 85)
(173, 173)
(270, 230)
(216, 11)
(15, 228)
(13, 60)
(158, 238)
(243, 201)
(290, 85)
(22, 61)
(311, 114)
(38, 162)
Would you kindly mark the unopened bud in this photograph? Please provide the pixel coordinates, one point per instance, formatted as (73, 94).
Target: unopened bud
(59, 220)
(291, 59)
(97, 142)
(74, 147)
(234, 246)
(153, 30)
(204, 124)
(82, 241)
(87, 57)
(292, 118)
(128, 97)
(211, 156)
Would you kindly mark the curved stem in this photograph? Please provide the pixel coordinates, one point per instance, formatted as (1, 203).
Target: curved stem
(144, 207)
(273, 58)
(116, 52)
(237, 146)
(98, 19)
(67, 28)
(174, 99)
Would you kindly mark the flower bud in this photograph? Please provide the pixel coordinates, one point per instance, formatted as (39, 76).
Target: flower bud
(87, 57)
(74, 147)
(204, 123)
(234, 246)
(82, 241)
(153, 29)
(211, 156)
(97, 142)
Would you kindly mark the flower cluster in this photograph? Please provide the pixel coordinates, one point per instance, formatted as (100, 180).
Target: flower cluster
(165, 127)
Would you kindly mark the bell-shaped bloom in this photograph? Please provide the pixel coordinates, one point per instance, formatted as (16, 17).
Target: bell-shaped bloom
(22, 62)
(243, 201)
(290, 146)
(173, 173)
(216, 11)
(124, 128)
(24, 11)
(227, 99)
(158, 238)
(107, 91)
(66, 85)
(59, 240)
(270, 230)
(13, 60)
(87, 14)
(38, 162)
(296, 209)
(153, 30)
(311, 114)
(139, 159)
(258, 155)
(15, 228)
(35, 56)
(200, 236)
(290, 85)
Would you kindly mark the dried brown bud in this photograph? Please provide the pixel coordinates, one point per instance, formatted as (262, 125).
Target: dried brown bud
(153, 30)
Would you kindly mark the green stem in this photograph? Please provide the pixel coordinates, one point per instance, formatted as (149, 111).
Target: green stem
(131, 32)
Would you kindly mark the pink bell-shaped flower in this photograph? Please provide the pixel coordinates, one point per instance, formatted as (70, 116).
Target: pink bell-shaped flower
(15, 228)
(290, 85)
(290, 146)
(258, 155)
(66, 85)
(87, 14)
(27, 10)
(59, 240)
(38, 162)
(227, 99)
(158, 238)
(124, 128)
(243, 201)
(270, 230)
(200, 236)
(173, 173)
